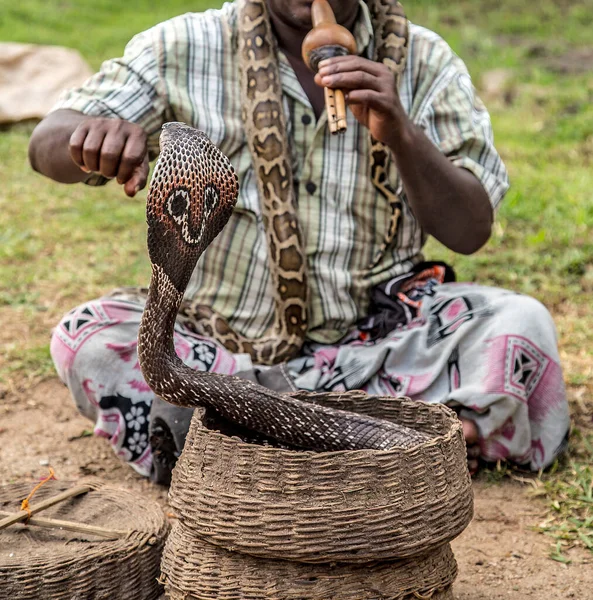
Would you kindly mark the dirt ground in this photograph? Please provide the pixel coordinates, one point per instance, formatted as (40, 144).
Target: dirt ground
(499, 555)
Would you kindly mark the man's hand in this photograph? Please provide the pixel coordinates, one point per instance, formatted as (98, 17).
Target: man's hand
(113, 148)
(67, 145)
(449, 203)
(370, 93)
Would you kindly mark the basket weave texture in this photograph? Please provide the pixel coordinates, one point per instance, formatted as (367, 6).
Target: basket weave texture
(196, 570)
(37, 563)
(346, 507)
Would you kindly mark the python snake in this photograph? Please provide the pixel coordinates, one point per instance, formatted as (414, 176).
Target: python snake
(192, 194)
(265, 127)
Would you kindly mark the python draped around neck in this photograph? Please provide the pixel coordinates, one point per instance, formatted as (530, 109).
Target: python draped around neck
(265, 128)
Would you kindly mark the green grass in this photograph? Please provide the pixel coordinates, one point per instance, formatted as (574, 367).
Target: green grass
(568, 491)
(60, 245)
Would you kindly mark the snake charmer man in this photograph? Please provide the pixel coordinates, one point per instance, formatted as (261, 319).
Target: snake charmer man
(378, 317)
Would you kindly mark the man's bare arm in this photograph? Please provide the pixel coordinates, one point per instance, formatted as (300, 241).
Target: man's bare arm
(450, 202)
(67, 145)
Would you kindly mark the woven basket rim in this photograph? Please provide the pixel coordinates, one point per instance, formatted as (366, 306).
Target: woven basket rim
(454, 426)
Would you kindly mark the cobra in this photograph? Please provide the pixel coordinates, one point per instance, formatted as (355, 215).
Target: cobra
(191, 197)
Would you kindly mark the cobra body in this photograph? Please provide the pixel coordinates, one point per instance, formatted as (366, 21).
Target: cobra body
(265, 128)
(192, 194)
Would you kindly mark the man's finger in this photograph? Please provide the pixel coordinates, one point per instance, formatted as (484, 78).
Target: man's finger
(133, 156)
(91, 151)
(76, 145)
(369, 98)
(111, 152)
(338, 64)
(353, 80)
(138, 179)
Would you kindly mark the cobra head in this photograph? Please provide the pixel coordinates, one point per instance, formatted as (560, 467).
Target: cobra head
(191, 197)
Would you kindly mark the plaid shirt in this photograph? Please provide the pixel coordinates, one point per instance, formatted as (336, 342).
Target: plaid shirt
(186, 69)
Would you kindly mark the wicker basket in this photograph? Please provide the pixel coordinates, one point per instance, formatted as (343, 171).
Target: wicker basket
(196, 570)
(348, 507)
(38, 563)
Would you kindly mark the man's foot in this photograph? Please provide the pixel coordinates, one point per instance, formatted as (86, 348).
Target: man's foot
(167, 431)
(164, 452)
(470, 432)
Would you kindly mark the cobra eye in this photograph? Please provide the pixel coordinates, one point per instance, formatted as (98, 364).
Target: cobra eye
(210, 198)
(178, 204)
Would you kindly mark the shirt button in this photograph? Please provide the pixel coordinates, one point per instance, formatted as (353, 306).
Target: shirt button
(306, 119)
(310, 187)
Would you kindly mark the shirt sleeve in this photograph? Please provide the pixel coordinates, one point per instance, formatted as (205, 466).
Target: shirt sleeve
(459, 124)
(128, 88)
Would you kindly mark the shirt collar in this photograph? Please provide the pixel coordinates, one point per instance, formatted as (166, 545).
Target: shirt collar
(363, 30)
